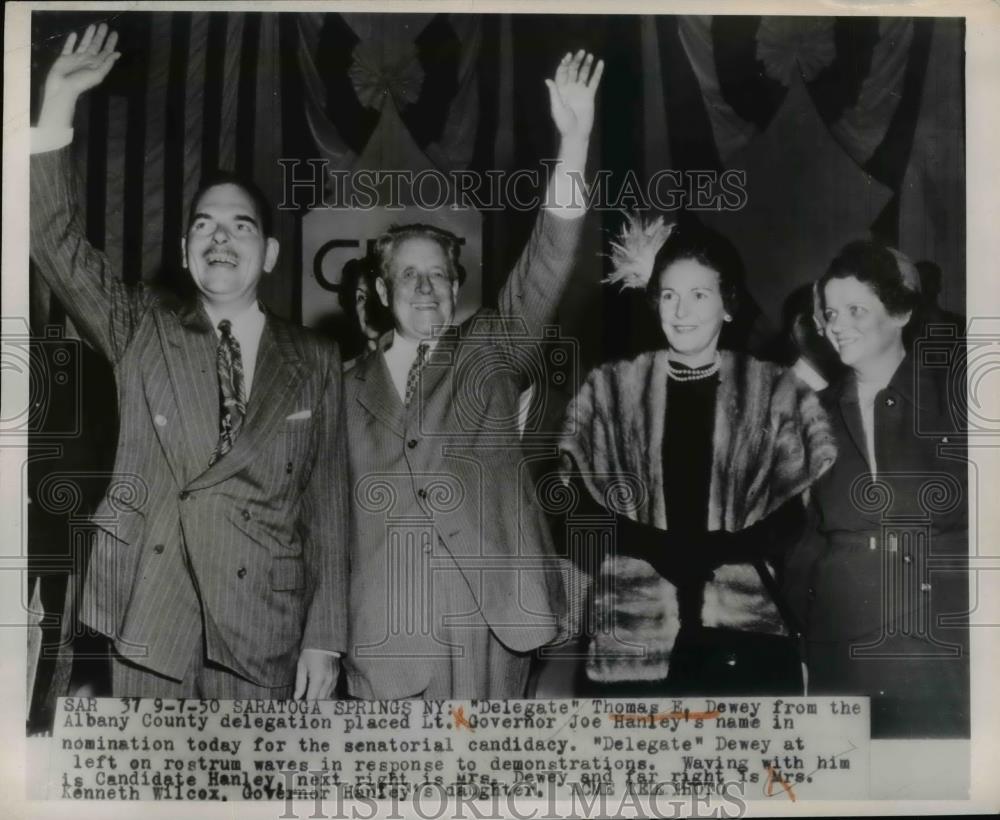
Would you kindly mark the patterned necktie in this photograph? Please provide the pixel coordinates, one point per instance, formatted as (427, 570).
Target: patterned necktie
(232, 390)
(413, 377)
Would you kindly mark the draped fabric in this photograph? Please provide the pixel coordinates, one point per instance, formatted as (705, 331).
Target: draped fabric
(932, 199)
(199, 90)
(821, 115)
(393, 80)
(855, 69)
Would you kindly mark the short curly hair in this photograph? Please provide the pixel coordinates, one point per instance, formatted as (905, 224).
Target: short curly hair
(877, 266)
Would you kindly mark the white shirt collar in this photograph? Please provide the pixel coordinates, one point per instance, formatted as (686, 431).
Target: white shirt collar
(247, 321)
(399, 356)
(408, 347)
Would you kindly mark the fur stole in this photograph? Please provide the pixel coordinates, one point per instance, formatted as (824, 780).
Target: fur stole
(771, 441)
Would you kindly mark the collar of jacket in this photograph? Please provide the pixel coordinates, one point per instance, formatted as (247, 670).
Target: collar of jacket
(190, 312)
(911, 384)
(445, 340)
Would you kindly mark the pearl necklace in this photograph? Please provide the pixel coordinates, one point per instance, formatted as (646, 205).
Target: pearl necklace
(695, 373)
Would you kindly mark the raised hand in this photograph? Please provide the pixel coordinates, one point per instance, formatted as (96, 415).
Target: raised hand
(78, 68)
(572, 92)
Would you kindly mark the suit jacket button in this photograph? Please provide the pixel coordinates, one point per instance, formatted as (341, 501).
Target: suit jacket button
(158, 549)
(731, 659)
(890, 402)
(812, 593)
(241, 572)
(411, 443)
(183, 495)
(246, 515)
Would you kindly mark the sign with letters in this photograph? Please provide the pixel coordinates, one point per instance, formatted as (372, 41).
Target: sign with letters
(332, 237)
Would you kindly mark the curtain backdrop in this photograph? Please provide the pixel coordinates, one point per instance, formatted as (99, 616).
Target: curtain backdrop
(199, 89)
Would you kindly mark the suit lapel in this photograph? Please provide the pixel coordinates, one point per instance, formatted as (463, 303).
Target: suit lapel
(279, 371)
(440, 362)
(191, 431)
(850, 413)
(377, 393)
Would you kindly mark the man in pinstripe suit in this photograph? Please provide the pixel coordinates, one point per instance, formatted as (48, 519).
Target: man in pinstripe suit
(453, 576)
(220, 565)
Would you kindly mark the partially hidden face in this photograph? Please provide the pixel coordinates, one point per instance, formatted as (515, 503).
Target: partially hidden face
(362, 308)
(225, 248)
(419, 289)
(857, 324)
(691, 310)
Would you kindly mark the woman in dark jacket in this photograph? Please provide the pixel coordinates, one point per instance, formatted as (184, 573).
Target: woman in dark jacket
(882, 570)
(689, 464)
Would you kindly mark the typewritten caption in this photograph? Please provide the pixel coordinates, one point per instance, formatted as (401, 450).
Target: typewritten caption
(152, 749)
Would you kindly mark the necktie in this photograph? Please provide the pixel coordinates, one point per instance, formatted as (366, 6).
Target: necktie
(232, 391)
(413, 377)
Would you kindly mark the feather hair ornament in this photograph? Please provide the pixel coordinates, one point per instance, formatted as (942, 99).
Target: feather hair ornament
(633, 253)
(818, 318)
(907, 270)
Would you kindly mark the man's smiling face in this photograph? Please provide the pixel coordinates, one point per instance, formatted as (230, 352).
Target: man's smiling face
(420, 289)
(225, 247)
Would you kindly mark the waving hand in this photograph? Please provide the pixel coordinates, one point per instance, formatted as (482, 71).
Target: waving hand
(79, 67)
(572, 92)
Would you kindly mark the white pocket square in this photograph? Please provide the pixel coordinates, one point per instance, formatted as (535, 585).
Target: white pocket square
(301, 414)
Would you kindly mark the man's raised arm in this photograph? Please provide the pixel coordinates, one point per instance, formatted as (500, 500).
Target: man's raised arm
(82, 278)
(535, 285)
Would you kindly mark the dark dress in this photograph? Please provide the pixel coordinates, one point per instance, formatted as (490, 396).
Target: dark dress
(706, 661)
(882, 567)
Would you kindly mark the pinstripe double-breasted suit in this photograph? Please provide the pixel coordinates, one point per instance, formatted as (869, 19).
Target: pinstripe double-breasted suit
(248, 555)
(447, 537)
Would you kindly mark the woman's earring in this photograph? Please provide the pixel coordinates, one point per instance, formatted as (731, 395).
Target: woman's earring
(727, 318)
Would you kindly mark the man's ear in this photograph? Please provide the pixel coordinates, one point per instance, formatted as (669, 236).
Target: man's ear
(454, 292)
(184, 252)
(271, 254)
(382, 290)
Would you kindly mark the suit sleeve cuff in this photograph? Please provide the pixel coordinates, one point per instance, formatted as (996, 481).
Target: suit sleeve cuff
(566, 211)
(332, 652)
(50, 139)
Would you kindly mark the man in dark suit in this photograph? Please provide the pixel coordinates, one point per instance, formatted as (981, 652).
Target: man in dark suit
(453, 576)
(220, 566)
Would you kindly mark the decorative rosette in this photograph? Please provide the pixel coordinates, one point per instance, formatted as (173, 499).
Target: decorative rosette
(795, 46)
(377, 72)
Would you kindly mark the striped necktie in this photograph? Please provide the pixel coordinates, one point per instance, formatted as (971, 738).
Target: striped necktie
(232, 390)
(413, 377)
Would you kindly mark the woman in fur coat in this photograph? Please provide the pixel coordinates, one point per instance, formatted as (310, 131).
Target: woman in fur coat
(691, 464)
